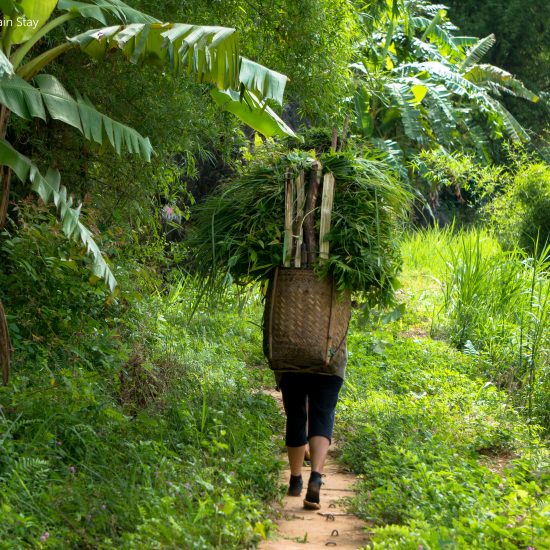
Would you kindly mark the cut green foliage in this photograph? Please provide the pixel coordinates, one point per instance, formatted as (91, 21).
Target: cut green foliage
(239, 232)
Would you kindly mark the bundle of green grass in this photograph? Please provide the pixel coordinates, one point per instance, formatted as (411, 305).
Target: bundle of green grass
(238, 233)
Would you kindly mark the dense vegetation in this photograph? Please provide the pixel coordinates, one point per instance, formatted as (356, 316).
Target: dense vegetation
(135, 415)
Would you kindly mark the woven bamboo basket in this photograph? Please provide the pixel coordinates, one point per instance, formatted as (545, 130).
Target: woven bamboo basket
(305, 322)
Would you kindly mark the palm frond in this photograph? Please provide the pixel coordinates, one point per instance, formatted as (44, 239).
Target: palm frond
(209, 54)
(262, 81)
(82, 115)
(480, 141)
(394, 156)
(513, 128)
(251, 111)
(427, 52)
(49, 188)
(485, 75)
(439, 72)
(410, 116)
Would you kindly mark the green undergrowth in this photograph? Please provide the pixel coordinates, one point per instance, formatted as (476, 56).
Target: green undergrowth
(441, 408)
(125, 426)
(444, 459)
(492, 304)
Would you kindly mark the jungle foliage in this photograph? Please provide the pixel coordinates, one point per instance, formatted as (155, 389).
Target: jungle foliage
(420, 84)
(137, 419)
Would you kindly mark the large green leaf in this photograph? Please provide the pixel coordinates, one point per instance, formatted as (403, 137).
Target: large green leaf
(81, 114)
(37, 12)
(410, 116)
(49, 188)
(483, 75)
(50, 96)
(262, 81)
(209, 54)
(252, 111)
(6, 68)
(21, 98)
(97, 9)
(477, 51)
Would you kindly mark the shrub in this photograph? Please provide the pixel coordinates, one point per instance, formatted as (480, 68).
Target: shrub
(520, 214)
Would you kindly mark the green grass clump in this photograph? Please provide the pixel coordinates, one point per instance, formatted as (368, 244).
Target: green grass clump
(239, 233)
(493, 304)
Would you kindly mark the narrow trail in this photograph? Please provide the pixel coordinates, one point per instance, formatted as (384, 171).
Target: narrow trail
(331, 526)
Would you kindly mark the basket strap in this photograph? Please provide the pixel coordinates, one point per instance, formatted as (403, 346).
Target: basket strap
(330, 323)
(271, 306)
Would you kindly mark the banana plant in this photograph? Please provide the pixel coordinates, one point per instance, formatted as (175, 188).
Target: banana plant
(419, 84)
(209, 54)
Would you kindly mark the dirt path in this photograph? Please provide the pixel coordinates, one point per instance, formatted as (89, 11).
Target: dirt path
(330, 527)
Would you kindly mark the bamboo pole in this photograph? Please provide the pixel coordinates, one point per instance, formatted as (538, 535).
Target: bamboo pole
(299, 183)
(289, 218)
(327, 200)
(311, 203)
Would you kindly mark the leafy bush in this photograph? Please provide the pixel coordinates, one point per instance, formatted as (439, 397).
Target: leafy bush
(520, 214)
(444, 461)
(124, 425)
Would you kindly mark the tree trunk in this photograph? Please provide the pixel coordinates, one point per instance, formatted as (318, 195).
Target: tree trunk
(5, 174)
(5, 346)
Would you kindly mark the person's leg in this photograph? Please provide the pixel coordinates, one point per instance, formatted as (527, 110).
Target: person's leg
(294, 401)
(296, 459)
(322, 398)
(318, 447)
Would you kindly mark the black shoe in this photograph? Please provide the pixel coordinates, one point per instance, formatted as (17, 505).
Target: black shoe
(312, 500)
(295, 486)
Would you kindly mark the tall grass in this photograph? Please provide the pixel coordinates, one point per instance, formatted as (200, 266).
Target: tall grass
(494, 305)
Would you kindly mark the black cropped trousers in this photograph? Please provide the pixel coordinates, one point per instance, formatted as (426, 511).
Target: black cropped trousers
(310, 402)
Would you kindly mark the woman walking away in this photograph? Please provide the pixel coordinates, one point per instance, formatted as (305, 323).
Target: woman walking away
(305, 326)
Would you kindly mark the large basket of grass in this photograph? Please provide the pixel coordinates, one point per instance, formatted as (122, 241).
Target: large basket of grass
(315, 229)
